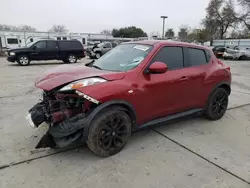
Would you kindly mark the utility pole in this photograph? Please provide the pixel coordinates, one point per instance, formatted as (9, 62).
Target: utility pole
(163, 25)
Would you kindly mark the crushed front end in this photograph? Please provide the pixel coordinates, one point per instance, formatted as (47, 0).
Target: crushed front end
(65, 113)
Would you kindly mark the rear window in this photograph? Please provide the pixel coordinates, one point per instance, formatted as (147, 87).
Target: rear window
(197, 57)
(51, 44)
(12, 41)
(70, 45)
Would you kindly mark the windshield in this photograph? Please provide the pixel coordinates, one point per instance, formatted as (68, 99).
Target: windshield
(100, 45)
(123, 57)
(30, 44)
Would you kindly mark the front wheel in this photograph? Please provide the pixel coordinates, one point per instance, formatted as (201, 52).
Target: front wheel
(98, 55)
(109, 132)
(217, 104)
(23, 60)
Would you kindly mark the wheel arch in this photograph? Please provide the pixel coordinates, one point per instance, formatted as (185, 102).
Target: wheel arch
(118, 104)
(224, 85)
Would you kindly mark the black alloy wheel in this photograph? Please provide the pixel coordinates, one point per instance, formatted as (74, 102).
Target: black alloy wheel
(113, 133)
(109, 132)
(217, 104)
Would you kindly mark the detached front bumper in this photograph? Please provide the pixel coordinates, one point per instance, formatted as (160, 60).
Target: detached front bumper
(66, 125)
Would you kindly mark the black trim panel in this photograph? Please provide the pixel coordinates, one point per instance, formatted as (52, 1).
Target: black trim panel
(172, 117)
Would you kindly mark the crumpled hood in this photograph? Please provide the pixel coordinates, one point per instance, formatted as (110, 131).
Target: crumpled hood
(64, 74)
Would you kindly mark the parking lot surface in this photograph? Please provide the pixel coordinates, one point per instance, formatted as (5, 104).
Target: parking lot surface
(191, 153)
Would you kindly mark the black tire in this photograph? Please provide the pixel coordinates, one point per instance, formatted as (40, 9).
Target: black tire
(98, 55)
(109, 132)
(243, 57)
(23, 60)
(217, 104)
(71, 58)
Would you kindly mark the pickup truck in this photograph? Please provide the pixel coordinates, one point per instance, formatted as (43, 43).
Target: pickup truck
(98, 50)
(69, 51)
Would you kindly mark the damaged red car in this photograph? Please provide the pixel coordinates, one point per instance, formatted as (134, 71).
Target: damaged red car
(135, 85)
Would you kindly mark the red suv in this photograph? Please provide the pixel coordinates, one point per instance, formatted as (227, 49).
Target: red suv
(135, 85)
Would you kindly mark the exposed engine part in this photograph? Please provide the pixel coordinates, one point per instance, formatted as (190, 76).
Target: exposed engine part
(65, 113)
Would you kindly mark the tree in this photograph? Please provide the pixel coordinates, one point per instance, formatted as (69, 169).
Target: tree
(183, 33)
(243, 15)
(170, 33)
(129, 32)
(220, 17)
(199, 35)
(58, 29)
(4, 27)
(26, 28)
(106, 32)
(242, 33)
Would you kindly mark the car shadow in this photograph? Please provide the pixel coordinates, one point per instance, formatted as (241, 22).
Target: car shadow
(37, 64)
(139, 141)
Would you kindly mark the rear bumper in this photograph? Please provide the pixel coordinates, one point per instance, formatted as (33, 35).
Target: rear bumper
(11, 59)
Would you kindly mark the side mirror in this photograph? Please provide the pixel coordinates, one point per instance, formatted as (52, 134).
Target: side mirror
(158, 68)
(34, 47)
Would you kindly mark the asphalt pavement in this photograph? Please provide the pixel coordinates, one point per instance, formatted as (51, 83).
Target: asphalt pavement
(194, 153)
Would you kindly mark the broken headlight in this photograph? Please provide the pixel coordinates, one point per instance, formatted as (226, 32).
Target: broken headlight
(82, 83)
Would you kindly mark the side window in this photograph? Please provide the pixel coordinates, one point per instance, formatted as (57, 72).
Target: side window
(64, 38)
(114, 44)
(41, 45)
(196, 57)
(51, 44)
(107, 45)
(12, 41)
(171, 56)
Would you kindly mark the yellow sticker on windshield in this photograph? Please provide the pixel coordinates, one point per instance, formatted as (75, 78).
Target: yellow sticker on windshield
(141, 47)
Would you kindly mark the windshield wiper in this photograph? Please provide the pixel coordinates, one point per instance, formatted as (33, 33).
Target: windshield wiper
(95, 66)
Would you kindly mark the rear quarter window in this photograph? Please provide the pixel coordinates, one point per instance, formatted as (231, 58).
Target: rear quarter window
(197, 57)
(69, 45)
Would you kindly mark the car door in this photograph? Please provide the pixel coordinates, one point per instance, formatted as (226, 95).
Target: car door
(165, 93)
(52, 50)
(196, 66)
(106, 47)
(38, 51)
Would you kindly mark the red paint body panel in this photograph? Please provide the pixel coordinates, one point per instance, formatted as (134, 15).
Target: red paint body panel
(67, 73)
(151, 95)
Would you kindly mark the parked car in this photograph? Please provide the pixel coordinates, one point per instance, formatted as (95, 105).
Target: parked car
(219, 51)
(98, 50)
(236, 54)
(69, 51)
(135, 85)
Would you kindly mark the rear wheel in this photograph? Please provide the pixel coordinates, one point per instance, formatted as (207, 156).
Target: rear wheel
(71, 59)
(217, 104)
(243, 57)
(109, 132)
(23, 60)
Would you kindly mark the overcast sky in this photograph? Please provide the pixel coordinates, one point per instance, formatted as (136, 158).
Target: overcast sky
(96, 15)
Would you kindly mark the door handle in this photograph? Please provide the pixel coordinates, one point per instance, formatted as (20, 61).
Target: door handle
(184, 78)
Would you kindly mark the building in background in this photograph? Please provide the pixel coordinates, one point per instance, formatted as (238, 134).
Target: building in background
(16, 39)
